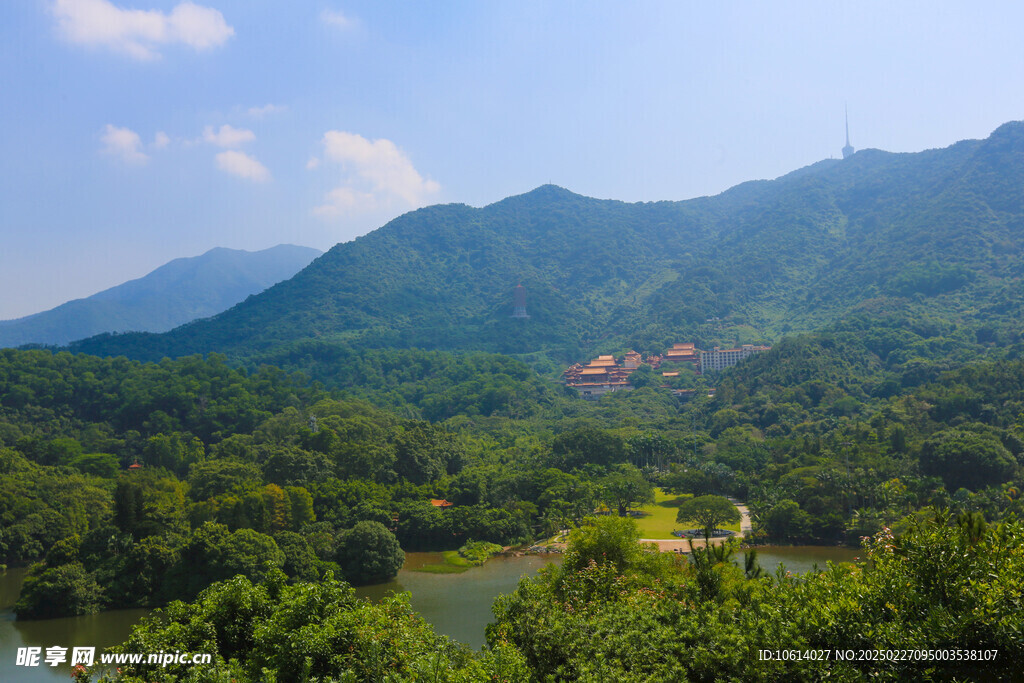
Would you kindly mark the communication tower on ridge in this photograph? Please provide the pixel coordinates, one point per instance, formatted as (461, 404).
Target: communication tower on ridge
(519, 302)
(848, 150)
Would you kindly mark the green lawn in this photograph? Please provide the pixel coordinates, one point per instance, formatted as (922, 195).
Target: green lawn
(557, 538)
(659, 520)
(453, 564)
(473, 554)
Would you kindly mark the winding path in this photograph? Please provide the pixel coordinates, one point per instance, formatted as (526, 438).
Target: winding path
(672, 545)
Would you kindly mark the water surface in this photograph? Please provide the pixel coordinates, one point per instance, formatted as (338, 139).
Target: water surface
(801, 558)
(94, 630)
(457, 605)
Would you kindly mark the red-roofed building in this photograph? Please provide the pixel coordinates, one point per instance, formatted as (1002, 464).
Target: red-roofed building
(602, 375)
(683, 353)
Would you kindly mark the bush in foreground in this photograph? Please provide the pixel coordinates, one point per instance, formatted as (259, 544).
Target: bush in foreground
(307, 631)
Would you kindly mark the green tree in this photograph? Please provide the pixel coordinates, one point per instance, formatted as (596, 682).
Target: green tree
(425, 452)
(567, 495)
(213, 477)
(785, 521)
(64, 551)
(128, 506)
(708, 512)
(103, 465)
(693, 481)
(301, 507)
(369, 553)
(175, 451)
(624, 488)
(212, 553)
(251, 553)
(300, 562)
(614, 540)
(642, 377)
(61, 451)
(967, 459)
(142, 576)
(650, 450)
(587, 445)
(67, 590)
(291, 466)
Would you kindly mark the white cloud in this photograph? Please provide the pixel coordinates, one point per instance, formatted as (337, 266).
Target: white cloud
(242, 165)
(228, 136)
(260, 112)
(337, 19)
(139, 33)
(380, 174)
(161, 139)
(313, 162)
(123, 143)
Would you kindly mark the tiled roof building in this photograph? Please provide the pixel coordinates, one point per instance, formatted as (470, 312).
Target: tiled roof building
(683, 353)
(602, 375)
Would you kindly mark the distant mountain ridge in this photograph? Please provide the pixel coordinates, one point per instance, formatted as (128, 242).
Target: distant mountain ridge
(175, 293)
(938, 233)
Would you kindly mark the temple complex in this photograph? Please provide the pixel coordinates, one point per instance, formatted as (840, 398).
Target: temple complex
(602, 375)
(606, 374)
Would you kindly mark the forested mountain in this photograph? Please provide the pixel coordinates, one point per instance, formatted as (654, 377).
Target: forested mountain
(936, 232)
(173, 294)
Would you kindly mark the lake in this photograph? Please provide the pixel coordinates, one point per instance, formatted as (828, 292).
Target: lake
(457, 605)
(95, 630)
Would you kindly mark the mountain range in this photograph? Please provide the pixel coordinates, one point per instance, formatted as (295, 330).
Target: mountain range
(175, 293)
(937, 234)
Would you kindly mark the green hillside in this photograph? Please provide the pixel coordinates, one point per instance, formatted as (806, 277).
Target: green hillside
(936, 233)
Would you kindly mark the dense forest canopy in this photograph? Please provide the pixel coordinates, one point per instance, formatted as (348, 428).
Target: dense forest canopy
(116, 469)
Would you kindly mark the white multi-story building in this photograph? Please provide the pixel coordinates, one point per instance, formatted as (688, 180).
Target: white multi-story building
(719, 359)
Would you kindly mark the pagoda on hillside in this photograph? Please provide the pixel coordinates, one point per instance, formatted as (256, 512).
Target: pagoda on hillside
(519, 302)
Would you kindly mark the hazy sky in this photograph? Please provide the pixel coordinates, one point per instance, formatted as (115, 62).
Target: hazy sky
(137, 131)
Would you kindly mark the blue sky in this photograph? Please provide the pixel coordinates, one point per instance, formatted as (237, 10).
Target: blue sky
(137, 131)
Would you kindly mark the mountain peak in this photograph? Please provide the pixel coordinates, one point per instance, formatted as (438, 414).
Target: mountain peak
(548, 191)
(544, 194)
(177, 292)
(1010, 129)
